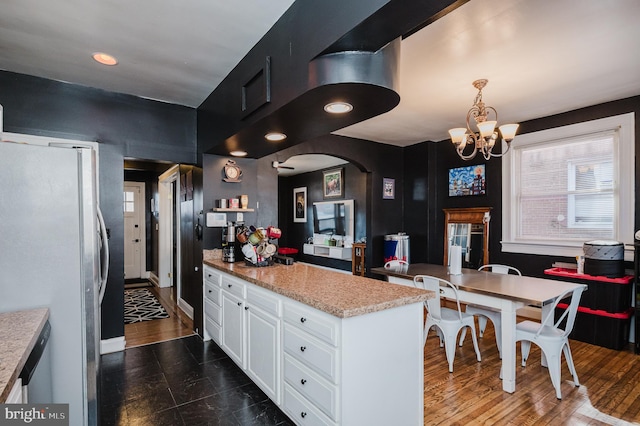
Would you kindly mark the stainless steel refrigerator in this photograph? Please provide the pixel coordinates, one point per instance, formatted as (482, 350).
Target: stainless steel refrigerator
(53, 254)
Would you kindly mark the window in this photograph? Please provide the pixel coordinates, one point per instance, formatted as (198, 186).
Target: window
(129, 202)
(568, 185)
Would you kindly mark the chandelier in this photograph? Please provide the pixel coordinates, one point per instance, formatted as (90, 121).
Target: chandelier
(485, 138)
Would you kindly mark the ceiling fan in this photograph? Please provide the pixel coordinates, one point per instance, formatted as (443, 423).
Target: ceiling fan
(278, 165)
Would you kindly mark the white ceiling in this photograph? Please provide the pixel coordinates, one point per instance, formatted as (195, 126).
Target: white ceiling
(172, 51)
(541, 57)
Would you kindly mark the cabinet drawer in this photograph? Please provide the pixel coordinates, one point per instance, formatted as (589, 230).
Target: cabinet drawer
(321, 393)
(265, 301)
(233, 286)
(212, 276)
(317, 355)
(302, 411)
(212, 311)
(213, 330)
(322, 327)
(212, 293)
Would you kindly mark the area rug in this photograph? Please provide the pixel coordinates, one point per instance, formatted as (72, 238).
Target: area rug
(141, 305)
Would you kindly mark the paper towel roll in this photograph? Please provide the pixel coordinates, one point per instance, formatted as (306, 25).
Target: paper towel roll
(455, 260)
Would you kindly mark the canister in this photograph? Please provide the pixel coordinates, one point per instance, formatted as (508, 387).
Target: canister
(396, 247)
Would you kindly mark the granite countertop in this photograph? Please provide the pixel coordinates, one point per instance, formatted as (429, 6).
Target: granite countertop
(19, 332)
(335, 293)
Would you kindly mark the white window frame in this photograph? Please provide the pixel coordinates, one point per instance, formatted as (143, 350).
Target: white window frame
(624, 183)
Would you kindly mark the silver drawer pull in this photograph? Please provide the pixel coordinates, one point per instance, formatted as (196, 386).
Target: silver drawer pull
(303, 348)
(303, 381)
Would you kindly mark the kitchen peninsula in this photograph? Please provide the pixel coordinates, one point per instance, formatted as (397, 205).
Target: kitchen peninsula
(327, 347)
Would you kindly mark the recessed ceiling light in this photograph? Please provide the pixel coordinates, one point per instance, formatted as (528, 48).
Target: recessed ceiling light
(338, 107)
(238, 153)
(275, 136)
(104, 59)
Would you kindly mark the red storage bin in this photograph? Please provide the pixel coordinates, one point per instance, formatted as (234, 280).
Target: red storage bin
(603, 294)
(609, 330)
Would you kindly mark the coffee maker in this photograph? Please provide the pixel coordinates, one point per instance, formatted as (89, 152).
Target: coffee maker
(229, 243)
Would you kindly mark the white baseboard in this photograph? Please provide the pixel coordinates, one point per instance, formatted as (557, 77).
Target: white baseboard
(116, 344)
(186, 308)
(154, 279)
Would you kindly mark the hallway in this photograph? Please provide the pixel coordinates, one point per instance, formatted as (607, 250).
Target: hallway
(177, 325)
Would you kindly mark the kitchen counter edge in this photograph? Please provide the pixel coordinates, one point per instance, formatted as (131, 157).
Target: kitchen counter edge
(19, 333)
(321, 294)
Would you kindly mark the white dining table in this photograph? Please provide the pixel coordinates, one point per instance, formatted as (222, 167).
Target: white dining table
(506, 293)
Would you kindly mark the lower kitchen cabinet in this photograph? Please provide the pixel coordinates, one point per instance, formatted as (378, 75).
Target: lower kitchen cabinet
(263, 341)
(321, 369)
(233, 319)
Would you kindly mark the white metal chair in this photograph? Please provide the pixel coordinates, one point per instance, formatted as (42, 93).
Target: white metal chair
(448, 322)
(484, 312)
(552, 340)
(394, 263)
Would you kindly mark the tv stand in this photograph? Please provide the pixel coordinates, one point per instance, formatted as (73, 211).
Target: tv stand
(333, 252)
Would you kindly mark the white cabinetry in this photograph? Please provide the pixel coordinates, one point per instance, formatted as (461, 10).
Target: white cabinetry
(233, 318)
(318, 368)
(16, 396)
(311, 365)
(263, 310)
(245, 321)
(212, 305)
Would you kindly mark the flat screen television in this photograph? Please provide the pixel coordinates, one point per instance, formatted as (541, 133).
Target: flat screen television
(333, 217)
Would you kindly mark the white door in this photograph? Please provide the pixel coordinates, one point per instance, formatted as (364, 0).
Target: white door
(133, 229)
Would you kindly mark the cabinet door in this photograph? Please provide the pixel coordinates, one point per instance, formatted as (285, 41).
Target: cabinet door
(233, 327)
(263, 351)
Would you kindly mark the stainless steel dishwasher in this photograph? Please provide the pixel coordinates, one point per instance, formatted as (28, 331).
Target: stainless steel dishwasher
(36, 374)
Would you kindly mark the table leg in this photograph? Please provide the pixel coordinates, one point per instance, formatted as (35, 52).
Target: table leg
(508, 314)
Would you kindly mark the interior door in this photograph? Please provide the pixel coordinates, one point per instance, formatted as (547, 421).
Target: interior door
(133, 227)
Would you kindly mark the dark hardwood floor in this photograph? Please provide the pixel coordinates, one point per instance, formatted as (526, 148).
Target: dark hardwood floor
(177, 325)
(191, 382)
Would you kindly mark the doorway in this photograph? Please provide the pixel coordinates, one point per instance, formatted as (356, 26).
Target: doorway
(134, 231)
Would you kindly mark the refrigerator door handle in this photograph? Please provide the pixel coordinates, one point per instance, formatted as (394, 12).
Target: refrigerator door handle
(104, 255)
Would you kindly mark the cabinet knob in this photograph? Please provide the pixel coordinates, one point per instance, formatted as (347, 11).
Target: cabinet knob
(303, 414)
(303, 348)
(229, 285)
(303, 381)
(239, 303)
(246, 308)
(210, 291)
(303, 319)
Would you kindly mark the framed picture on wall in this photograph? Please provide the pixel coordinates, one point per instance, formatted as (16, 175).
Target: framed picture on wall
(333, 183)
(300, 204)
(388, 188)
(468, 180)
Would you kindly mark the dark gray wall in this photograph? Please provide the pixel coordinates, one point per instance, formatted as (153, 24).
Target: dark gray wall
(124, 126)
(426, 214)
(296, 234)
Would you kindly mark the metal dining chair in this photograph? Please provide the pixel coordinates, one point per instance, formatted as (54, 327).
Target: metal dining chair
(483, 313)
(448, 322)
(395, 262)
(552, 339)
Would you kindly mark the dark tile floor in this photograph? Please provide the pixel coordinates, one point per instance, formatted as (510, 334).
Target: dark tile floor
(181, 382)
